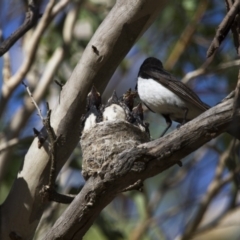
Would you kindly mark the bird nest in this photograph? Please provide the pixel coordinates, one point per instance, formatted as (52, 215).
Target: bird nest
(109, 129)
(105, 141)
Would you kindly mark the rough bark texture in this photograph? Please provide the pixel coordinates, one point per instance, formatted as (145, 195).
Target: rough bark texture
(133, 166)
(113, 39)
(105, 141)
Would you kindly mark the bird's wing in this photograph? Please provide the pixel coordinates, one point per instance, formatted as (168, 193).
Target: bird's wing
(179, 88)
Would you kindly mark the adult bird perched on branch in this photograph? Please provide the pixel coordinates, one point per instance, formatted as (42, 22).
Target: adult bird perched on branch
(162, 93)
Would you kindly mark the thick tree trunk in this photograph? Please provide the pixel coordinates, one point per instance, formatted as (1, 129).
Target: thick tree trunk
(23, 208)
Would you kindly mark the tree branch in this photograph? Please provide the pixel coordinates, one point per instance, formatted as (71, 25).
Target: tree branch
(236, 103)
(203, 71)
(21, 117)
(10, 86)
(236, 36)
(186, 36)
(59, 7)
(136, 165)
(229, 4)
(31, 19)
(223, 28)
(13, 142)
(33, 101)
(130, 19)
(6, 70)
(213, 189)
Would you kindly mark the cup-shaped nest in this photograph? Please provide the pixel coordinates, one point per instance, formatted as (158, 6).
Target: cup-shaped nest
(105, 141)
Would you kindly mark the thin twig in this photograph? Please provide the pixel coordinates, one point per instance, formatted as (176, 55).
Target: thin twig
(49, 194)
(236, 102)
(213, 189)
(236, 37)
(186, 36)
(33, 101)
(7, 72)
(48, 191)
(59, 7)
(53, 142)
(11, 143)
(223, 29)
(9, 87)
(235, 31)
(20, 119)
(59, 84)
(203, 71)
(229, 4)
(32, 16)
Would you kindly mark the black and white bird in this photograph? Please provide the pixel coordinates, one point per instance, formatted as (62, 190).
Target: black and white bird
(113, 110)
(164, 94)
(93, 110)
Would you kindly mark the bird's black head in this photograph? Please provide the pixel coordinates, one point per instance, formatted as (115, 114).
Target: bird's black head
(151, 64)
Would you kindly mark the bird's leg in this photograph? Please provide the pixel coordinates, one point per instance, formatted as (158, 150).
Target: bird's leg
(169, 123)
(184, 118)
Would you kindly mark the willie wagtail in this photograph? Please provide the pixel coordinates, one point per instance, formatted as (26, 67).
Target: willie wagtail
(164, 94)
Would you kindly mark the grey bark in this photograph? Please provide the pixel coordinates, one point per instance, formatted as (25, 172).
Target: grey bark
(23, 208)
(131, 167)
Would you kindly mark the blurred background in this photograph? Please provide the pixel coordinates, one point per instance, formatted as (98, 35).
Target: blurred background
(172, 200)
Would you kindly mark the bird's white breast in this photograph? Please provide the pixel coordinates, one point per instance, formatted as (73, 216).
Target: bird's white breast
(158, 98)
